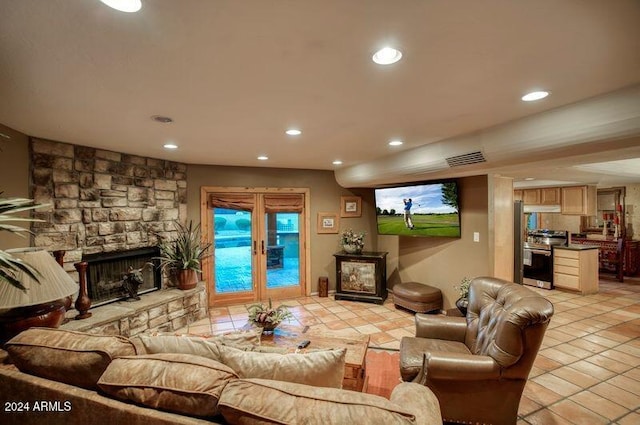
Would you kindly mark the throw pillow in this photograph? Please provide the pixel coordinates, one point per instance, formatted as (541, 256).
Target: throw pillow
(187, 344)
(262, 401)
(319, 368)
(75, 358)
(179, 383)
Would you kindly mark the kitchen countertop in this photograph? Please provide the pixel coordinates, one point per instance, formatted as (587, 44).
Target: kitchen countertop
(577, 247)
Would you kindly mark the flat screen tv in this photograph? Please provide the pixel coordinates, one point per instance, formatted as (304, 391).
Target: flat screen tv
(419, 209)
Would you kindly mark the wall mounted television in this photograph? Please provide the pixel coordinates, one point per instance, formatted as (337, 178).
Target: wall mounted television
(433, 209)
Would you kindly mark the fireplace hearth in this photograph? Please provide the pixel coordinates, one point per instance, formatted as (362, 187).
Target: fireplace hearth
(105, 273)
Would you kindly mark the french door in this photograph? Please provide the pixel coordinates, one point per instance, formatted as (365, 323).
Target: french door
(258, 237)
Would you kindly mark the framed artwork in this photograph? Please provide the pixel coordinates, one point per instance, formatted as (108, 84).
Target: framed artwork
(328, 222)
(350, 206)
(358, 277)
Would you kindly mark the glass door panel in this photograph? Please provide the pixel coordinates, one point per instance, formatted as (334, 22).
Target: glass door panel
(283, 250)
(233, 274)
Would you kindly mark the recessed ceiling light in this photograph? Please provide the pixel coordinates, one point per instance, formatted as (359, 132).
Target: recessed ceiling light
(293, 132)
(337, 162)
(263, 157)
(162, 119)
(170, 146)
(395, 142)
(387, 56)
(529, 179)
(124, 5)
(535, 95)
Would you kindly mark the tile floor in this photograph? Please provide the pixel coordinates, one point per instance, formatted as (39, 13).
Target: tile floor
(587, 370)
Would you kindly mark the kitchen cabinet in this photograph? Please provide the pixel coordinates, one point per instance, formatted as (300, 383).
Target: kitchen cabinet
(550, 196)
(531, 196)
(517, 195)
(542, 196)
(576, 268)
(578, 200)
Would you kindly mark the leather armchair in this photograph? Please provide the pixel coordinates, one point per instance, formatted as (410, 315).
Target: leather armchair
(478, 365)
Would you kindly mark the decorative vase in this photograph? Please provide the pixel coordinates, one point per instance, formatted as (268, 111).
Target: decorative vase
(352, 249)
(462, 304)
(267, 327)
(187, 279)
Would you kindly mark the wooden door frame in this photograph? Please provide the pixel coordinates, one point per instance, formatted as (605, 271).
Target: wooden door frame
(207, 229)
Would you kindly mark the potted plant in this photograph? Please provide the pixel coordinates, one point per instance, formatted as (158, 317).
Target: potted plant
(463, 288)
(267, 317)
(184, 254)
(352, 242)
(9, 265)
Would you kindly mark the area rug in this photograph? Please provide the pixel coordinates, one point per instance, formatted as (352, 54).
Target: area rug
(383, 371)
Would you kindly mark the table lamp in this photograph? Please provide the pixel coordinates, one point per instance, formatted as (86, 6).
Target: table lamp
(40, 303)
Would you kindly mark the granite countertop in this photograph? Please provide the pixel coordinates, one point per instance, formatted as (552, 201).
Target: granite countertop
(577, 247)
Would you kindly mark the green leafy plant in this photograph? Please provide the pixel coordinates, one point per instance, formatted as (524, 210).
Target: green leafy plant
(9, 265)
(463, 287)
(186, 251)
(268, 317)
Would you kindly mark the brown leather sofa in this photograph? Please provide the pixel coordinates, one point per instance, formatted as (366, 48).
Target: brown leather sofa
(478, 365)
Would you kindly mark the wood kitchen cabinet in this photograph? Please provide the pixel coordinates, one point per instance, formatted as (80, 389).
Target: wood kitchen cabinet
(542, 196)
(578, 200)
(531, 196)
(576, 269)
(550, 196)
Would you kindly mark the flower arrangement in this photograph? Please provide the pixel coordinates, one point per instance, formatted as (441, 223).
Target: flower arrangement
(268, 317)
(349, 237)
(463, 288)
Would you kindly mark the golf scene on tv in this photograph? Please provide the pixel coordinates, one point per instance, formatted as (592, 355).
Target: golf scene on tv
(419, 210)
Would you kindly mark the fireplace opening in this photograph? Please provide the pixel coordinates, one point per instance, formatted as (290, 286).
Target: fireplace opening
(105, 273)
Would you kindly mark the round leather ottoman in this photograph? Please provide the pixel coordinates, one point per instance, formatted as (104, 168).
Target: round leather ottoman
(417, 297)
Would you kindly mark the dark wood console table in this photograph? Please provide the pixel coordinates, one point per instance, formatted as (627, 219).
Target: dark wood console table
(608, 250)
(361, 277)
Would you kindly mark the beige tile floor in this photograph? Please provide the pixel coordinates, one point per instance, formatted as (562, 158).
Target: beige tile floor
(587, 370)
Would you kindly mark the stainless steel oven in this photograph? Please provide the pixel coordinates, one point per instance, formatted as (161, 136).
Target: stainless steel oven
(538, 267)
(538, 256)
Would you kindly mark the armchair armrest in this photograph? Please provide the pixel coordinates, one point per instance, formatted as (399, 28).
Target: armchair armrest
(441, 327)
(420, 401)
(458, 367)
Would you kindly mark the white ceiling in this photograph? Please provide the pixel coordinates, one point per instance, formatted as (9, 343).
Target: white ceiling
(235, 74)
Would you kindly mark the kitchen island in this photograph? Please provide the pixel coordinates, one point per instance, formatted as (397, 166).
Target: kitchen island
(575, 267)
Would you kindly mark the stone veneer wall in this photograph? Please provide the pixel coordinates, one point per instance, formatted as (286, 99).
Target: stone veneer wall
(102, 201)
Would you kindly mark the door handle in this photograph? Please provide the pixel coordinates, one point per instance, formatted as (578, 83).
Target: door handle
(262, 244)
(255, 248)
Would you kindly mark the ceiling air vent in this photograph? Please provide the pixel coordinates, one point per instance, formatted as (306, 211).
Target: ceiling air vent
(466, 159)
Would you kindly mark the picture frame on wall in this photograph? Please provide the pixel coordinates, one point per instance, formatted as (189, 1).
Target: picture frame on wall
(350, 206)
(328, 222)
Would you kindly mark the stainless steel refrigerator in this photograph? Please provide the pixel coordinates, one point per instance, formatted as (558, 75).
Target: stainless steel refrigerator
(519, 232)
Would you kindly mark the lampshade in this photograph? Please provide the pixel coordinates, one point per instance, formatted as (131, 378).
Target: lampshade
(54, 283)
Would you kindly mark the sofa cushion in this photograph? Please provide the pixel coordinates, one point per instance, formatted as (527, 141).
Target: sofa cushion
(270, 402)
(179, 383)
(319, 368)
(75, 358)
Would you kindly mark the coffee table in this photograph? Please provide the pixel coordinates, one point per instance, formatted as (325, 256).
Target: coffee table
(355, 360)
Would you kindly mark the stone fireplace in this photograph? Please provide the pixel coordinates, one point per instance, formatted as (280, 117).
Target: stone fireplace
(103, 207)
